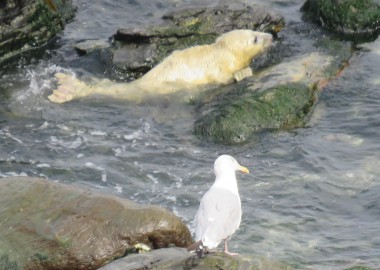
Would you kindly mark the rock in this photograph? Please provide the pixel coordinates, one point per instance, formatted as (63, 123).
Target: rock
(140, 49)
(177, 258)
(280, 96)
(48, 225)
(89, 46)
(28, 24)
(236, 121)
(352, 18)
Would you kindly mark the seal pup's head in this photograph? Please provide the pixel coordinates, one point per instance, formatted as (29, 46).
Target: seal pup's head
(245, 44)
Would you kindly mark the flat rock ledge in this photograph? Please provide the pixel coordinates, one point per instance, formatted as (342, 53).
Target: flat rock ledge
(48, 225)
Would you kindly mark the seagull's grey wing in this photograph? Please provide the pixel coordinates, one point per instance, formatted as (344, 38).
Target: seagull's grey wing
(219, 215)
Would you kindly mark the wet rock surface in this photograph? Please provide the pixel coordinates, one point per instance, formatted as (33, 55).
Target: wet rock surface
(282, 106)
(177, 258)
(48, 225)
(29, 24)
(352, 18)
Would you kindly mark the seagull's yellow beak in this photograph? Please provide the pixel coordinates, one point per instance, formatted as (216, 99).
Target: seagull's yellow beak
(243, 169)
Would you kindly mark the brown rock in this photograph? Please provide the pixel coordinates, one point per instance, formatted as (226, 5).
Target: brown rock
(48, 225)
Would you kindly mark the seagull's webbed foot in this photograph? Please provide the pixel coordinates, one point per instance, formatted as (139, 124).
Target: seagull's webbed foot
(226, 250)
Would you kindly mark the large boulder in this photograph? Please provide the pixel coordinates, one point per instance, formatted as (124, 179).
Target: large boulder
(48, 225)
(355, 19)
(28, 24)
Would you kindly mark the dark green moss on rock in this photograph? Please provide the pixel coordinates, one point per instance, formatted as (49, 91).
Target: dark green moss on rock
(28, 24)
(354, 18)
(278, 107)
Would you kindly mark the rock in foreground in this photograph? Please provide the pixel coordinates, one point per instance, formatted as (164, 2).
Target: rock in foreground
(47, 225)
(177, 258)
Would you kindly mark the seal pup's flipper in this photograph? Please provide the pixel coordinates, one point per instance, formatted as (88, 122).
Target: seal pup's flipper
(69, 88)
(242, 74)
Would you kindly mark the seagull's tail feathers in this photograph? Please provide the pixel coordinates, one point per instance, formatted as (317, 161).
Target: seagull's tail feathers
(198, 248)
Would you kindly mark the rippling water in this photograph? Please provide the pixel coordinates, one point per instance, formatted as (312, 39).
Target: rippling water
(312, 198)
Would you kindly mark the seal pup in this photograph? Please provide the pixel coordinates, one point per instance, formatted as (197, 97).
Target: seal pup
(220, 63)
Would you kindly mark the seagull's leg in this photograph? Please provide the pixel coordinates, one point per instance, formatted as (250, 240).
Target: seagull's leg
(226, 249)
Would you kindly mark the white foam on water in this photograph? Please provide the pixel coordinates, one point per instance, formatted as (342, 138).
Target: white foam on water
(32, 99)
(93, 166)
(15, 174)
(139, 134)
(43, 165)
(152, 178)
(98, 133)
(6, 133)
(43, 126)
(98, 168)
(64, 127)
(54, 141)
(119, 189)
(104, 176)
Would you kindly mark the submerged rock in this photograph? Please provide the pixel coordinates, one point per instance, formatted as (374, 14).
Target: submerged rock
(140, 49)
(28, 24)
(177, 258)
(47, 225)
(354, 18)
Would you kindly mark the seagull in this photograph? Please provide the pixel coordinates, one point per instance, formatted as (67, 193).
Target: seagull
(219, 213)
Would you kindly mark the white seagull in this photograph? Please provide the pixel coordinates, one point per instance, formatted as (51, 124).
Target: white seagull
(219, 213)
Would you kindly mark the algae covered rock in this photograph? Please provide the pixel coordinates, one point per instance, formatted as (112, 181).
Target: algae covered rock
(28, 24)
(179, 258)
(47, 225)
(277, 97)
(354, 18)
(277, 107)
(140, 49)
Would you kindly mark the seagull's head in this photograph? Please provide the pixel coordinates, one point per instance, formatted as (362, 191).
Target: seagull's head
(226, 164)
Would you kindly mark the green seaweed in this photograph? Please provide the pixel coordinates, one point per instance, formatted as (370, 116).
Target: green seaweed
(351, 17)
(283, 106)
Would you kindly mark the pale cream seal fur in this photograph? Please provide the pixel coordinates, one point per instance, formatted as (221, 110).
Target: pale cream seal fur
(222, 62)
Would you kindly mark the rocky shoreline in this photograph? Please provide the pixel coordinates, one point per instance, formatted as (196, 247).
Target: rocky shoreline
(49, 225)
